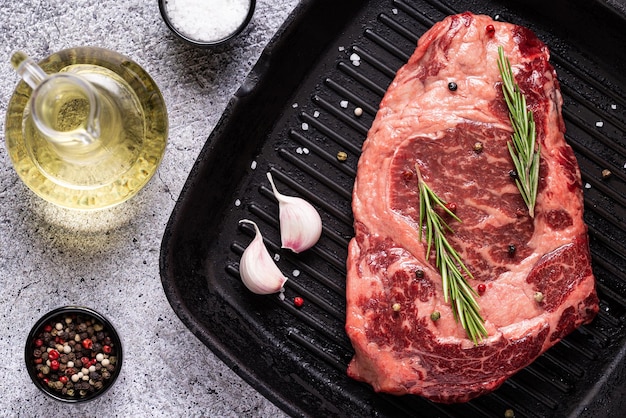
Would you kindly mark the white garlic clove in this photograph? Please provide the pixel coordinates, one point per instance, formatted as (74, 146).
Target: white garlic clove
(300, 223)
(257, 269)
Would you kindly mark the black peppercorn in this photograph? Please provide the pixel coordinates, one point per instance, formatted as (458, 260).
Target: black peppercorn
(452, 86)
(513, 174)
(419, 273)
(511, 250)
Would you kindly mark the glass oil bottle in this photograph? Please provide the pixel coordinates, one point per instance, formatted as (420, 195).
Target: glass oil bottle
(86, 128)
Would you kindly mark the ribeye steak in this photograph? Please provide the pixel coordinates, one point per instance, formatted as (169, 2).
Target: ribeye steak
(536, 272)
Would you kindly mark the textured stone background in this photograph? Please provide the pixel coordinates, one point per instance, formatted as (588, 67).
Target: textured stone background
(108, 260)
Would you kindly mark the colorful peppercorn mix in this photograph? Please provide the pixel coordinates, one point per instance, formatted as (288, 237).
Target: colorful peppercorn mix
(74, 356)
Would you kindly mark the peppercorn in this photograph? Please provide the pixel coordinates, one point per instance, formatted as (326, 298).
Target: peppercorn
(511, 250)
(435, 316)
(478, 147)
(513, 174)
(490, 30)
(452, 86)
(606, 173)
(342, 156)
(396, 307)
(297, 301)
(419, 273)
(538, 297)
(481, 288)
(451, 207)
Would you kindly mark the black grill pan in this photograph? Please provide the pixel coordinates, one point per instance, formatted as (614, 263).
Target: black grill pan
(292, 116)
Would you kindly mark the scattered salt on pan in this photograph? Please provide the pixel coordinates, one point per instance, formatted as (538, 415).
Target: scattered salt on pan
(207, 20)
(587, 186)
(281, 294)
(496, 17)
(276, 257)
(600, 124)
(344, 104)
(356, 60)
(237, 202)
(613, 106)
(299, 150)
(341, 49)
(294, 105)
(316, 114)
(305, 126)
(253, 165)
(305, 150)
(394, 11)
(296, 273)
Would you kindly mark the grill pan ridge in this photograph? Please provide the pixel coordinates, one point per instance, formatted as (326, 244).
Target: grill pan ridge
(292, 116)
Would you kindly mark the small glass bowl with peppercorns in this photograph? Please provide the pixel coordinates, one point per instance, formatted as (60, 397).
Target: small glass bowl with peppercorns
(73, 354)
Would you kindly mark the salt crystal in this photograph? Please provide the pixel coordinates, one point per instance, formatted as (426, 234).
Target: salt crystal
(237, 202)
(344, 104)
(299, 150)
(394, 11)
(294, 105)
(587, 186)
(356, 60)
(296, 273)
(253, 165)
(190, 17)
(305, 126)
(341, 49)
(600, 124)
(281, 295)
(316, 114)
(276, 257)
(305, 150)
(613, 106)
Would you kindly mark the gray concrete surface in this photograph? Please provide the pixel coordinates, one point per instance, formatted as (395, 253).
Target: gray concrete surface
(108, 260)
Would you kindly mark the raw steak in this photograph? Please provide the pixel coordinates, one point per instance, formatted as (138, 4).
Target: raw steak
(421, 120)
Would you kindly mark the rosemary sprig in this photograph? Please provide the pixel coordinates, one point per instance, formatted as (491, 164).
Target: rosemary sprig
(522, 145)
(448, 261)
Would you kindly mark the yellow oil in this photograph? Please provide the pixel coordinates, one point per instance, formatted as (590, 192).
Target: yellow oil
(133, 124)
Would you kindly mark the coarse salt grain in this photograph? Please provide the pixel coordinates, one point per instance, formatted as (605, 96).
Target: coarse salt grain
(191, 17)
(613, 106)
(344, 104)
(305, 126)
(316, 114)
(253, 165)
(237, 202)
(600, 124)
(296, 273)
(587, 186)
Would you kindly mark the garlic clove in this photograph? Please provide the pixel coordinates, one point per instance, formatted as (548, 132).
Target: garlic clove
(300, 223)
(257, 269)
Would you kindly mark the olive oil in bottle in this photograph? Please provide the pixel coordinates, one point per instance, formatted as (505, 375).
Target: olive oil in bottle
(86, 129)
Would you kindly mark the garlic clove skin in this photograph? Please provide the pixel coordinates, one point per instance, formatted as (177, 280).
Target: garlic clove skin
(257, 268)
(300, 223)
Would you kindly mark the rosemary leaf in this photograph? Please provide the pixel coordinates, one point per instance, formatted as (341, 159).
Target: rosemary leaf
(456, 290)
(523, 140)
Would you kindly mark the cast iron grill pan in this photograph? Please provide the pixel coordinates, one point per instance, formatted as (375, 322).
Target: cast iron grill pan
(292, 116)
